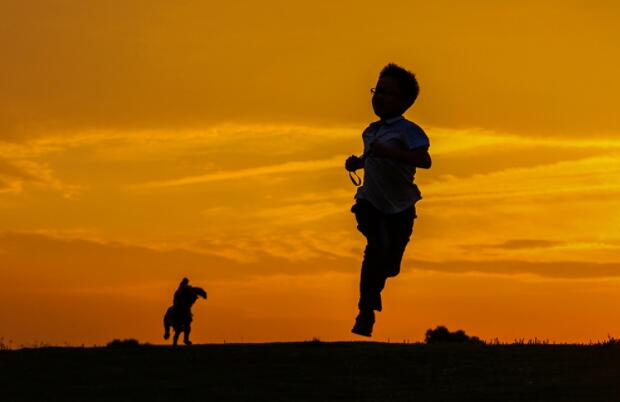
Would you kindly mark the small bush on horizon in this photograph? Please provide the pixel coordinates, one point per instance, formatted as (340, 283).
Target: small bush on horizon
(123, 343)
(441, 334)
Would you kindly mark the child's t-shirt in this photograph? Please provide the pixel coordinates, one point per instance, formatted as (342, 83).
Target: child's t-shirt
(388, 183)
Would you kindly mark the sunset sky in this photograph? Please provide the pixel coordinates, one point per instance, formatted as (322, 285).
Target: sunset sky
(144, 141)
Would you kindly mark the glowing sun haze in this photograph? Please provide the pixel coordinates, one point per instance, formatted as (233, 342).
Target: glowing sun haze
(144, 141)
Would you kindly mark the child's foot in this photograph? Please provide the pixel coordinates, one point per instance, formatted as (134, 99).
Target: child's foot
(364, 323)
(187, 342)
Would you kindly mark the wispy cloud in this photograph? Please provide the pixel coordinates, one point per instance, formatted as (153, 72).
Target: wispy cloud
(515, 244)
(289, 167)
(560, 269)
(18, 173)
(449, 141)
(580, 177)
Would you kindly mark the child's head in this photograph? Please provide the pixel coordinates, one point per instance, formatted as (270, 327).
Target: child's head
(396, 90)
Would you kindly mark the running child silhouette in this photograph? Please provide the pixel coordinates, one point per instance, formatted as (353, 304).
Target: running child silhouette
(385, 204)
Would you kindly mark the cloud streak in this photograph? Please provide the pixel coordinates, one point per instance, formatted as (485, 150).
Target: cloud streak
(582, 177)
(289, 167)
(16, 174)
(558, 270)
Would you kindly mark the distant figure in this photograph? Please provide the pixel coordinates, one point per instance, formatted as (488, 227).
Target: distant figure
(385, 204)
(179, 315)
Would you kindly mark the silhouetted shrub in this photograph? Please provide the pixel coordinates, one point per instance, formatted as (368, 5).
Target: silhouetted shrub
(315, 341)
(441, 334)
(123, 343)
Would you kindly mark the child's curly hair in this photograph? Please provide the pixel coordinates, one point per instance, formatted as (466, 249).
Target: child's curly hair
(406, 80)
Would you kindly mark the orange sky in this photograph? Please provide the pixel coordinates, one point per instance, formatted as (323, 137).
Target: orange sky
(141, 141)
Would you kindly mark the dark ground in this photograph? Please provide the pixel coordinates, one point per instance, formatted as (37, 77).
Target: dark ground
(313, 371)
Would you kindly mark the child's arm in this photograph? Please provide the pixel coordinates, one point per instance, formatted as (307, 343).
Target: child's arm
(418, 157)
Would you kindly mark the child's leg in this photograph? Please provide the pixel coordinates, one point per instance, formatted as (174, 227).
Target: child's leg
(399, 227)
(387, 237)
(372, 279)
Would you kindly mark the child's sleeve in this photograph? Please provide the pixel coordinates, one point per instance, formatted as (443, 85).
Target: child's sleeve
(415, 137)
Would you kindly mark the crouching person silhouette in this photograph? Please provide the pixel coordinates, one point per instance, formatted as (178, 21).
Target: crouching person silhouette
(179, 315)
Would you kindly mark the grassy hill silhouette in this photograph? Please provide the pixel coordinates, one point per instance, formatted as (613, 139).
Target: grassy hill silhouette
(313, 371)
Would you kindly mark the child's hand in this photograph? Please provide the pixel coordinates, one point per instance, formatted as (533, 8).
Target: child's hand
(352, 163)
